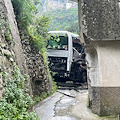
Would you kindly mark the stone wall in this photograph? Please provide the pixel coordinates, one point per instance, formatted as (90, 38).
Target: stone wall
(12, 52)
(10, 47)
(40, 78)
(17, 48)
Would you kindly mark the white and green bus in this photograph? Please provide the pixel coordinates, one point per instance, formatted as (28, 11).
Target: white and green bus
(66, 56)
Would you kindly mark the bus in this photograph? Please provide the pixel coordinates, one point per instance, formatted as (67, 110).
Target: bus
(66, 57)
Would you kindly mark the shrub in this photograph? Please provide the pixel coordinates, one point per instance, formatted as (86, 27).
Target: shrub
(35, 28)
(39, 33)
(16, 102)
(24, 11)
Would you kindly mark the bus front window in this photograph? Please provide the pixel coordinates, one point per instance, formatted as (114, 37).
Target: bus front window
(58, 43)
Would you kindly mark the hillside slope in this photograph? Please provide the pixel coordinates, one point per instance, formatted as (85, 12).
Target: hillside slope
(63, 14)
(63, 19)
(56, 4)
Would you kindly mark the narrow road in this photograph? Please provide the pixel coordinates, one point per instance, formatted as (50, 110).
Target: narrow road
(67, 105)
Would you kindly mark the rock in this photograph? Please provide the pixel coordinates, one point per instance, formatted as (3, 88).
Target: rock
(1, 94)
(13, 54)
(4, 62)
(11, 60)
(0, 60)
(36, 69)
(1, 86)
(3, 91)
(40, 77)
(3, 31)
(1, 82)
(6, 52)
(3, 45)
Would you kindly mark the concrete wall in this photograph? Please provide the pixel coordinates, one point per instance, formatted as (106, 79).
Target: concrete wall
(109, 62)
(92, 57)
(101, 19)
(101, 26)
(104, 77)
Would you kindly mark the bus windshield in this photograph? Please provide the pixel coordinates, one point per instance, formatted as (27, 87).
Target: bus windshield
(58, 43)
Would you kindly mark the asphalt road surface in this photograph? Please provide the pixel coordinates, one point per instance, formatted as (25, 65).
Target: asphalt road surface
(67, 105)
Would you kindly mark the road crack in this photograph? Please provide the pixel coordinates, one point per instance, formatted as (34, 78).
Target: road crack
(55, 113)
(66, 94)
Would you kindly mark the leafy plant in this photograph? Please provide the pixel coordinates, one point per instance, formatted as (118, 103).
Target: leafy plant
(42, 25)
(45, 94)
(54, 88)
(24, 11)
(39, 33)
(35, 28)
(16, 102)
(41, 97)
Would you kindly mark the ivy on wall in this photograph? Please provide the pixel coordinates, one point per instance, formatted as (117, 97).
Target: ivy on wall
(16, 102)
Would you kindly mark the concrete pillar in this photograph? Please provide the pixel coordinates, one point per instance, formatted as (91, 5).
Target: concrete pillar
(104, 77)
(93, 77)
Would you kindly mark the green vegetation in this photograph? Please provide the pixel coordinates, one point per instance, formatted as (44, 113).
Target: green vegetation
(16, 102)
(35, 28)
(37, 99)
(38, 34)
(63, 19)
(5, 28)
(45, 94)
(24, 11)
(7, 34)
(54, 88)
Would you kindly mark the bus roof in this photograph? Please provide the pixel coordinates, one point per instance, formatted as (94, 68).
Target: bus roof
(64, 32)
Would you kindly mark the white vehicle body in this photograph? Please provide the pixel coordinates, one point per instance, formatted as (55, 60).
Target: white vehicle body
(66, 56)
(64, 53)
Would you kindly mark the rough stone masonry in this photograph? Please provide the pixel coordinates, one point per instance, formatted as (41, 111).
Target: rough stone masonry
(13, 51)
